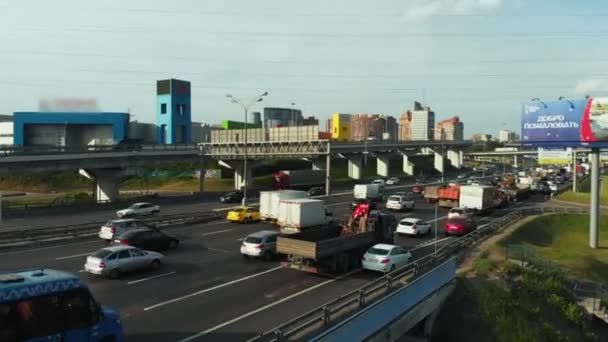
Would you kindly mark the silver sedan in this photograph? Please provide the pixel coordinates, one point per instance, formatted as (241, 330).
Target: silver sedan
(116, 260)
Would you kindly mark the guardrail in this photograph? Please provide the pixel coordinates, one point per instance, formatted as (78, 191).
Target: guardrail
(45, 150)
(342, 307)
(17, 235)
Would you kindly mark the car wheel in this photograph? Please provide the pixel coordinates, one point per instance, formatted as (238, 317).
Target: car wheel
(245, 256)
(155, 264)
(173, 244)
(392, 268)
(267, 256)
(115, 273)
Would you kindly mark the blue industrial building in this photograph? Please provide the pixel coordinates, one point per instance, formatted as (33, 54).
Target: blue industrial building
(69, 128)
(173, 104)
(81, 128)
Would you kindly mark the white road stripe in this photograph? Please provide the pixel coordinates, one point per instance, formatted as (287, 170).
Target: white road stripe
(154, 277)
(74, 256)
(437, 219)
(217, 232)
(219, 326)
(241, 239)
(333, 204)
(82, 271)
(170, 301)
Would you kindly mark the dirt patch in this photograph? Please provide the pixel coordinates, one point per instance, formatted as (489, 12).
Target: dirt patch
(472, 254)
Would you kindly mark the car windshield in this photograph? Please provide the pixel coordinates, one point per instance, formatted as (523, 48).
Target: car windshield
(110, 224)
(408, 198)
(253, 239)
(457, 211)
(102, 253)
(378, 251)
(394, 198)
(406, 223)
(134, 206)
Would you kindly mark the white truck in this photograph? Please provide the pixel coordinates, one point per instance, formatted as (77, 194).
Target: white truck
(477, 197)
(269, 202)
(296, 215)
(367, 193)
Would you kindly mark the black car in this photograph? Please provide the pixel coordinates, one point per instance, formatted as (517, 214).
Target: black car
(147, 239)
(316, 191)
(232, 197)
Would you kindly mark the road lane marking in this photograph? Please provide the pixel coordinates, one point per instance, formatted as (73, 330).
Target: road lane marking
(437, 219)
(241, 239)
(170, 301)
(74, 256)
(149, 278)
(220, 250)
(82, 271)
(268, 306)
(217, 232)
(333, 204)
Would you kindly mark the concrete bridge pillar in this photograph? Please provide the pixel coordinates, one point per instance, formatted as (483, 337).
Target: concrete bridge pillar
(515, 160)
(408, 166)
(439, 162)
(107, 182)
(455, 158)
(382, 165)
(239, 176)
(354, 167)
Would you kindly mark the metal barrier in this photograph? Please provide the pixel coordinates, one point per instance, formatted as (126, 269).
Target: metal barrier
(32, 235)
(45, 150)
(342, 307)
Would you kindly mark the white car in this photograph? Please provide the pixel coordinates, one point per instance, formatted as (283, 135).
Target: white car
(380, 182)
(385, 258)
(139, 209)
(392, 181)
(458, 211)
(113, 228)
(260, 245)
(116, 260)
(399, 203)
(553, 187)
(413, 226)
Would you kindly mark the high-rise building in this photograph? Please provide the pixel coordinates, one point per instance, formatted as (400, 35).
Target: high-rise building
(256, 118)
(173, 112)
(423, 123)
(480, 137)
(450, 129)
(310, 121)
(506, 135)
(405, 126)
(274, 117)
(376, 126)
(341, 127)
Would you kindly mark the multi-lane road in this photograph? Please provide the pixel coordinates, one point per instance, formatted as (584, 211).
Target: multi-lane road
(206, 291)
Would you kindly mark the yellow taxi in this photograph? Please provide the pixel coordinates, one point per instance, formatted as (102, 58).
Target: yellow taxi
(243, 215)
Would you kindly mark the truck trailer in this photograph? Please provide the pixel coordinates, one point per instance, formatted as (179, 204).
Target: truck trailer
(298, 179)
(477, 197)
(297, 215)
(270, 200)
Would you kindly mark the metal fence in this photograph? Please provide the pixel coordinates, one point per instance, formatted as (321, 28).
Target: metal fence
(46, 150)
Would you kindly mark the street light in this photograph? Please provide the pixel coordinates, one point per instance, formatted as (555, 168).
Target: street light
(570, 102)
(537, 99)
(293, 110)
(246, 108)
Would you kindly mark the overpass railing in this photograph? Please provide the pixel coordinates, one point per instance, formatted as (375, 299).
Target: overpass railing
(46, 150)
(325, 316)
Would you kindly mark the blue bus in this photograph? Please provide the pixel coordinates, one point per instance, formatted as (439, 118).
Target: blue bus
(49, 305)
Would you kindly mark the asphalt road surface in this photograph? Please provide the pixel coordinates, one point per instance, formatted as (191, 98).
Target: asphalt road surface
(207, 291)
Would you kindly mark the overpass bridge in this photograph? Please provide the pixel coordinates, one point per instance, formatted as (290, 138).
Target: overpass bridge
(108, 165)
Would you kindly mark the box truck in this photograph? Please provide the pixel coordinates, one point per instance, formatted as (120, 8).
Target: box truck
(296, 215)
(476, 197)
(270, 200)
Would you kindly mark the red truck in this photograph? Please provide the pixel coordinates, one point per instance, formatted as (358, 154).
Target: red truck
(298, 179)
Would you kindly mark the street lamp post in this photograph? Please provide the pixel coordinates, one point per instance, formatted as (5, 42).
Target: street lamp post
(293, 113)
(246, 107)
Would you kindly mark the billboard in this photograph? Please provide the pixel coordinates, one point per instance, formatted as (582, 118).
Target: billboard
(555, 157)
(565, 123)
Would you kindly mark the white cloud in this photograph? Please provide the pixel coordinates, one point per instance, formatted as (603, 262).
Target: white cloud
(588, 86)
(423, 9)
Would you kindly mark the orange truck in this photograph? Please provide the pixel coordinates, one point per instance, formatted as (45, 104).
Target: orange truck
(449, 196)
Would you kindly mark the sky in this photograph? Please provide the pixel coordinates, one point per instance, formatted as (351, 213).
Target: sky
(479, 59)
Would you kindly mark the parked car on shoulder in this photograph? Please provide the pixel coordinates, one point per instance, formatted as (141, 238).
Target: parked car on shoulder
(117, 260)
(113, 228)
(260, 245)
(316, 191)
(413, 226)
(400, 203)
(385, 258)
(243, 215)
(139, 209)
(232, 197)
(392, 181)
(460, 225)
(148, 239)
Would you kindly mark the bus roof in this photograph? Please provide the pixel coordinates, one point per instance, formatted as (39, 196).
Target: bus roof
(16, 285)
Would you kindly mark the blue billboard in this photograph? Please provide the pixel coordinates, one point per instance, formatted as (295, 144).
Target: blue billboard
(565, 123)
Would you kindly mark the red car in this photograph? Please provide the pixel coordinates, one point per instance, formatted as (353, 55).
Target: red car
(417, 189)
(460, 225)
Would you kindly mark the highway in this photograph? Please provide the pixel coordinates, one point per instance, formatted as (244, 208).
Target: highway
(207, 291)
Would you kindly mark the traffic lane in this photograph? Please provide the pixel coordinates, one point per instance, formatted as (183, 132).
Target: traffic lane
(249, 324)
(209, 309)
